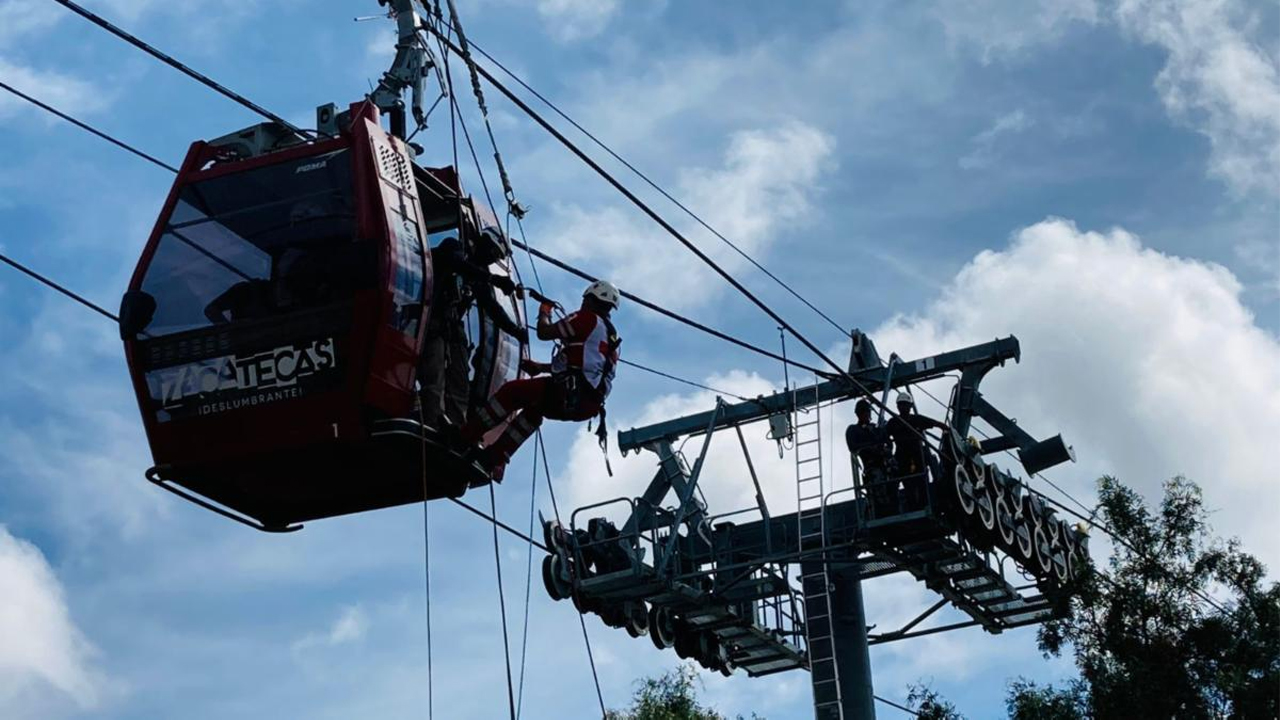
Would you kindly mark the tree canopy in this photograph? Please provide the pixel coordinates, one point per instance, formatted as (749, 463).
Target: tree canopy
(1179, 624)
(672, 696)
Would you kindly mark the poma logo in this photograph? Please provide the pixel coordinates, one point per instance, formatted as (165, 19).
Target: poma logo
(311, 166)
(280, 367)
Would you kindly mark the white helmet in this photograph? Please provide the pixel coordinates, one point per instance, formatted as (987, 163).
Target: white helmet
(904, 398)
(491, 245)
(605, 292)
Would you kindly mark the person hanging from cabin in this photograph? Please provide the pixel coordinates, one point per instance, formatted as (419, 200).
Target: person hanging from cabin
(869, 445)
(907, 432)
(573, 386)
(459, 278)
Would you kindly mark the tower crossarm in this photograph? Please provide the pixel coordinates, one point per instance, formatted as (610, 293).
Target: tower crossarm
(981, 357)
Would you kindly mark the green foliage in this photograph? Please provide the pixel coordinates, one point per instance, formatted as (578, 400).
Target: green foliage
(1028, 701)
(1145, 641)
(669, 697)
(929, 706)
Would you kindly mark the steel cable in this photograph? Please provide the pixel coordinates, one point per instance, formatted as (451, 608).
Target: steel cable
(651, 183)
(176, 64)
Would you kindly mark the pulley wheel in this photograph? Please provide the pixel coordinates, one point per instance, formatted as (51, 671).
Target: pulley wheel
(709, 651)
(661, 631)
(986, 509)
(964, 492)
(637, 619)
(1044, 552)
(1024, 531)
(1052, 528)
(557, 587)
(1004, 518)
(1061, 568)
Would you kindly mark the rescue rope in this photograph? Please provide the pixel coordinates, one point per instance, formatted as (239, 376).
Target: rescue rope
(528, 582)
(586, 639)
(426, 561)
(512, 206)
(502, 603)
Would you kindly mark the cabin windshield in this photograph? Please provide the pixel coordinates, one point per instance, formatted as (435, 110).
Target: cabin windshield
(258, 243)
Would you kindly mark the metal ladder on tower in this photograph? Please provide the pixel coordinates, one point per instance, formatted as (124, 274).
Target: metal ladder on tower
(812, 533)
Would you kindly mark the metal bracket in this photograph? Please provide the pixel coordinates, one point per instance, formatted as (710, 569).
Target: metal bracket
(413, 60)
(153, 475)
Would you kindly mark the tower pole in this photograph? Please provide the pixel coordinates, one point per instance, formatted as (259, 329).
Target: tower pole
(849, 637)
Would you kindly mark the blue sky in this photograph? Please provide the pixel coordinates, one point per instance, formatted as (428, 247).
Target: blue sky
(1099, 177)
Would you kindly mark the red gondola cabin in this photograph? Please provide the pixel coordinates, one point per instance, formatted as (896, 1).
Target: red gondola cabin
(274, 325)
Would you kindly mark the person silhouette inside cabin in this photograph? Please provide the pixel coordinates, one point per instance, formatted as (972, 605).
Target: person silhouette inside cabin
(869, 445)
(907, 432)
(573, 386)
(460, 277)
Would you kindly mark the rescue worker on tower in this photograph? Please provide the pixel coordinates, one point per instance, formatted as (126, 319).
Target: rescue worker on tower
(907, 432)
(573, 386)
(869, 445)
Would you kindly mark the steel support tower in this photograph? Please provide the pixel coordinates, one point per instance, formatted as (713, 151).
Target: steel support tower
(766, 593)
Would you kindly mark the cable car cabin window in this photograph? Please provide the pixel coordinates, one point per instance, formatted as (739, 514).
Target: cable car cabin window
(261, 243)
(409, 264)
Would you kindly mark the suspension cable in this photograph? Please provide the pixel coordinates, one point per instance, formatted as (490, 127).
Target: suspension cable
(498, 524)
(528, 583)
(447, 43)
(88, 128)
(684, 381)
(531, 250)
(662, 191)
(524, 245)
(644, 207)
(586, 639)
(502, 604)
(507, 190)
(668, 313)
(177, 65)
(899, 706)
(57, 287)
(426, 562)
(1090, 515)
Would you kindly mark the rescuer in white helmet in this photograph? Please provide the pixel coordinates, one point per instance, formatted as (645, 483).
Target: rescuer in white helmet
(573, 386)
(907, 432)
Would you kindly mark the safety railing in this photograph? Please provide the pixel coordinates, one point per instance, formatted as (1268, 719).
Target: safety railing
(635, 540)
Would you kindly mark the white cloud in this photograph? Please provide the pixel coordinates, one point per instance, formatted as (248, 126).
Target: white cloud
(1000, 28)
(351, 626)
(984, 143)
(569, 20)
(1222, 77)
(1148, 363)
(43, 650)
(724, 480)
(69, 94)
(768, 179)
(20, 18)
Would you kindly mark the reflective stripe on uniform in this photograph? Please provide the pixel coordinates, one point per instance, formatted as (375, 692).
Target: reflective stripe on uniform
(492, 413)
